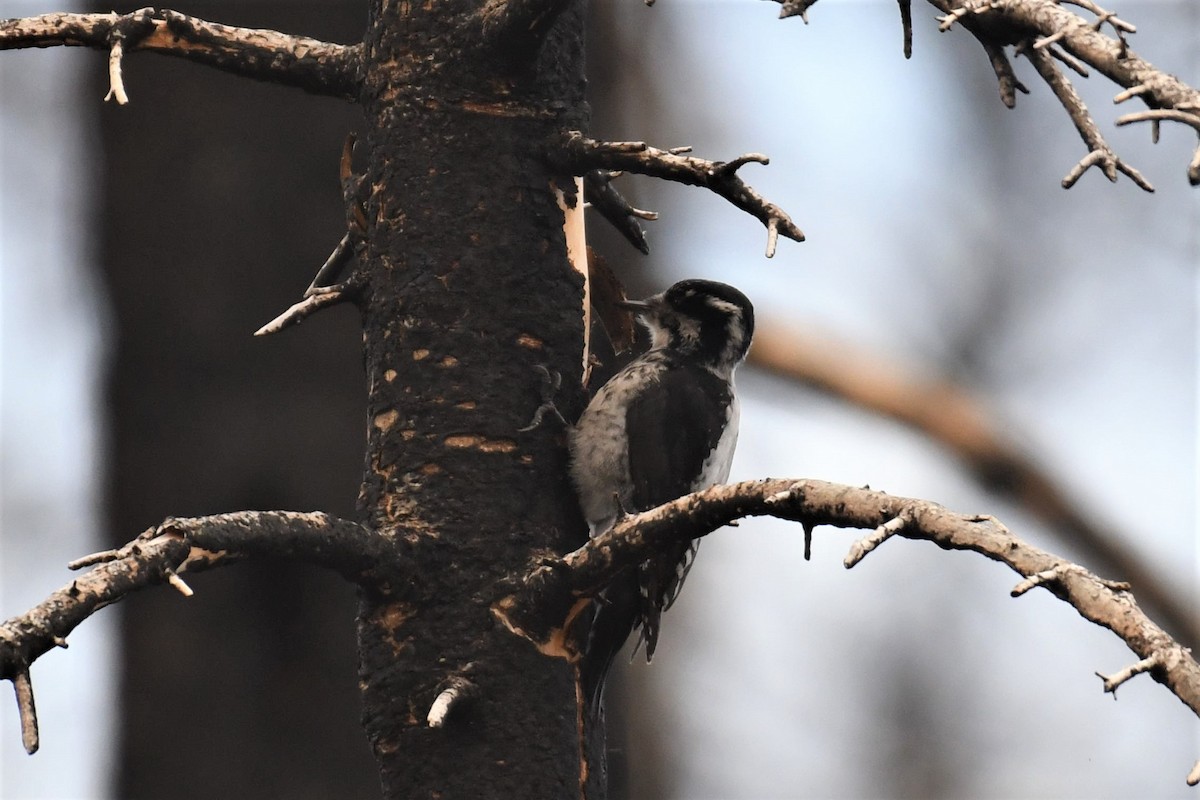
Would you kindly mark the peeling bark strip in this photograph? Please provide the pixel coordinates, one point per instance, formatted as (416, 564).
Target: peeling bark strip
(539, 607)
(265, 55)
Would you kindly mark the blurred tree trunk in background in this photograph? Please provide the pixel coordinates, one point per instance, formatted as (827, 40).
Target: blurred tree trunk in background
(220, 200)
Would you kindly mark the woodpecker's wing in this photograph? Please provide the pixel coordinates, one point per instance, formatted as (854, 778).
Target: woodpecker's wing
(673, 432)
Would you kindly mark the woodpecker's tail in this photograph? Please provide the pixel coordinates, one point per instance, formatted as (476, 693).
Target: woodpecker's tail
(617, 610)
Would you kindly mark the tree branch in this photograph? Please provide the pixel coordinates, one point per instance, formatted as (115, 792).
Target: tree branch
(580, 155)
(1099, 153)
(598, 190)
(315, 66)
(179, 545)
(1046, 21)
(951, 417)
(549, 594)
(1001, 23)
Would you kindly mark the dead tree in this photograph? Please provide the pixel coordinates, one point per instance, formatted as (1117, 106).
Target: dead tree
(463, 251)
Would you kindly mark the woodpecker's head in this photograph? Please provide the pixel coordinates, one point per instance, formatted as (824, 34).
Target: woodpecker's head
(711, 321)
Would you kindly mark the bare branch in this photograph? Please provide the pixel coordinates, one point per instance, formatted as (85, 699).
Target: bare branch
(315, 66)
(552, 590)
(315, 299)
(179, 545)
(1046, 23)
(1100, 154)
(1006, 78)
(580, 155)
(950, 416)
(1154, 116)
(598, 190)
(1004, 22)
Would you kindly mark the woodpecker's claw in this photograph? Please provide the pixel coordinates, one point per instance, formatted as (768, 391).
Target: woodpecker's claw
(551, 381)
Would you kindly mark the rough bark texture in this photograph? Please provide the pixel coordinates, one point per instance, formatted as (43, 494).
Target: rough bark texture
(468, 290)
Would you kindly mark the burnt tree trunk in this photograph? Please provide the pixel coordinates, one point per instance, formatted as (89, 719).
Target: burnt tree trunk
(468, 290)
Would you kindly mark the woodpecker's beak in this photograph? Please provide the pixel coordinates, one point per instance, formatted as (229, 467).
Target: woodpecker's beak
(639, 306)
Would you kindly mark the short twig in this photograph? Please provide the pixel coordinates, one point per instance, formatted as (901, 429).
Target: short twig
(1056, 574)
(1155, 115)
(1111, 682)
(102, 557)
(1006, 77)
(796, 8)
(1103, 16)
(27, 710)
(1070, 60)
(1132, 91)
(1035, 580)
(178, 584)
(116, 83)
(457, 689)
(969, 7)
(860, 549)
(600, 193)
(906, 23)
(132, 29)
(321, 297)
(1046, 41)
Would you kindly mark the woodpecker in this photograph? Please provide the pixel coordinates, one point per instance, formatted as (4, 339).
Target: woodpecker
(662, 427)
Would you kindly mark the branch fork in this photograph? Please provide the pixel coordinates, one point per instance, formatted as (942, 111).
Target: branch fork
(580, 155)
(540, 601)
(319, 67)
(159, 554)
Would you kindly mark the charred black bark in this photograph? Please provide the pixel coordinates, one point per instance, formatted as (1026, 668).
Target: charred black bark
(468, 289)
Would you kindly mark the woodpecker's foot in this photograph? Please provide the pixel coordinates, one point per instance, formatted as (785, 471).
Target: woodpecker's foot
(551, 381)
